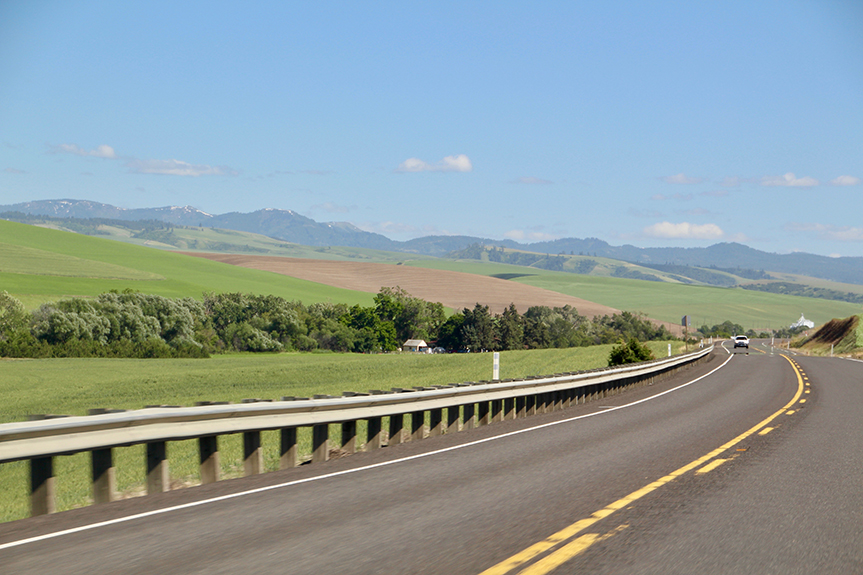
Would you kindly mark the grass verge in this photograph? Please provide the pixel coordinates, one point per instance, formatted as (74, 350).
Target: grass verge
(72, 386)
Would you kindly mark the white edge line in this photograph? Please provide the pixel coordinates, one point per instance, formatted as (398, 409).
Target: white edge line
(56, 534)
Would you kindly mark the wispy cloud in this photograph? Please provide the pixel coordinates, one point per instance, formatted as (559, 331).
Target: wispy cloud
(460, 163)
(681, 178)
(789, 180)
(177, 168)
(829, 232)
(715, 193)
(137, 166)
(845, 181)
(684, 230)
(531, 180)
(317, 172)
(14, 171)
(102, 151)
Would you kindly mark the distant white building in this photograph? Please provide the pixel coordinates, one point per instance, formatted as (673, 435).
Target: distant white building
(415, 345)
(803, 322)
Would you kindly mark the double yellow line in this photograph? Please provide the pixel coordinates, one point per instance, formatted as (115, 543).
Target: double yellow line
(563, 544)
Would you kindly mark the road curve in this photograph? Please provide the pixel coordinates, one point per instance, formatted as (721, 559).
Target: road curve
(672, 478)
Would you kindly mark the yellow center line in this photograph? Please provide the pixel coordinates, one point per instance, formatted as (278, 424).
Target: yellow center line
(570, 531)
(711, 466)
(765, 431)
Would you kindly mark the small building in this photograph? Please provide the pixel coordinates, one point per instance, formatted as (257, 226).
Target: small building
(803, 322)
(416, 346)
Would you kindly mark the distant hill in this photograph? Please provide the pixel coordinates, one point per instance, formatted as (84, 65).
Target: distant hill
(289, 226)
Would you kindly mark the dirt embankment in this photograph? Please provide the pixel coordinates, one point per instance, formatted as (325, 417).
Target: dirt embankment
(841, 336)
(455, 290)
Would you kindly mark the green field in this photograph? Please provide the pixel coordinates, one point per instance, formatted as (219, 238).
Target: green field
(72, 386)
(88, 266)
(669, 301)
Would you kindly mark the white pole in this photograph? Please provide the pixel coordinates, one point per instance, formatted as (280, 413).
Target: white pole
(669, 350)
(495, 372)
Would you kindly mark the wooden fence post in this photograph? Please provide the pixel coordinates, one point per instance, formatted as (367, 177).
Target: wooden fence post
(104, 476)
(320, 442)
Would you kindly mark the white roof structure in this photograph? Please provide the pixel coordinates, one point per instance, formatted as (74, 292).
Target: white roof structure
(803, 322)
(414, 344)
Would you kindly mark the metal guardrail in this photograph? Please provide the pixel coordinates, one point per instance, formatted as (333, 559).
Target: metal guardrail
(467, 404)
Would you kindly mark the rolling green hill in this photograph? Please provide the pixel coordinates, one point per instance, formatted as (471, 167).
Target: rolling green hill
(39, 265)
(665, 300)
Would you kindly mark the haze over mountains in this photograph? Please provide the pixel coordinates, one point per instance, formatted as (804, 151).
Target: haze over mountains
(289, 226)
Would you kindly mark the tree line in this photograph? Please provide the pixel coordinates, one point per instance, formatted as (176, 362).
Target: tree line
(133, 324)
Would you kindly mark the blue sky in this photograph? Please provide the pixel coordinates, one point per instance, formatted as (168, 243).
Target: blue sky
(650, 123)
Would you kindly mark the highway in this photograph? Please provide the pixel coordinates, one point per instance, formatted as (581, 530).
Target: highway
(746, 463)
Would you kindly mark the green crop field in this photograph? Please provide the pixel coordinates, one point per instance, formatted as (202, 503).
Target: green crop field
(72, 386)
(55, 264)
(668, 301)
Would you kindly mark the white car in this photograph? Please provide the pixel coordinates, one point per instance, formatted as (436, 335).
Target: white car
(741, 341)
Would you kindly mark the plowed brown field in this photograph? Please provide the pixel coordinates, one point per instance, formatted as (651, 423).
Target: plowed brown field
(455, 290)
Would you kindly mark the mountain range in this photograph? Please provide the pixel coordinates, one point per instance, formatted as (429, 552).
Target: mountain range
(290, 226)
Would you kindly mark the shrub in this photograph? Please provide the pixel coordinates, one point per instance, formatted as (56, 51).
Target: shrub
(629, 352)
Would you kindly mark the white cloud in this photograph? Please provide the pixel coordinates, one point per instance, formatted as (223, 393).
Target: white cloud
(177, 168)
(521, 235)
(789, 180)
(460, 163)
(531, 180)
(684, 230)
(730, 182)
(681, 178)
(845, 181)
(829, 232)
(715, 194)
(102, 151)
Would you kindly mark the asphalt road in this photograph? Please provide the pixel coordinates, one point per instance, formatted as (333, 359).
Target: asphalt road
(720, 469)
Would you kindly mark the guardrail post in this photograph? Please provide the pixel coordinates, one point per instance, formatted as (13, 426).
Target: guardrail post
(497, 410)
(418, 425)
(208, 450)
(530, 405)
(288, 457)
(435, 422)
(482, 414)
(104, 476)
(520, 407)
(42, 486)
(397, 429)
(253, 456)
(509, 408)
(349, 436)
(373, 437)
(453, 417)
(158, 480)
(468, 418)
(320, 442)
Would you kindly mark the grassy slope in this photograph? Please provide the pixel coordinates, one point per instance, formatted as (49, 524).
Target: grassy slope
(667, 301)
(183, 275)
